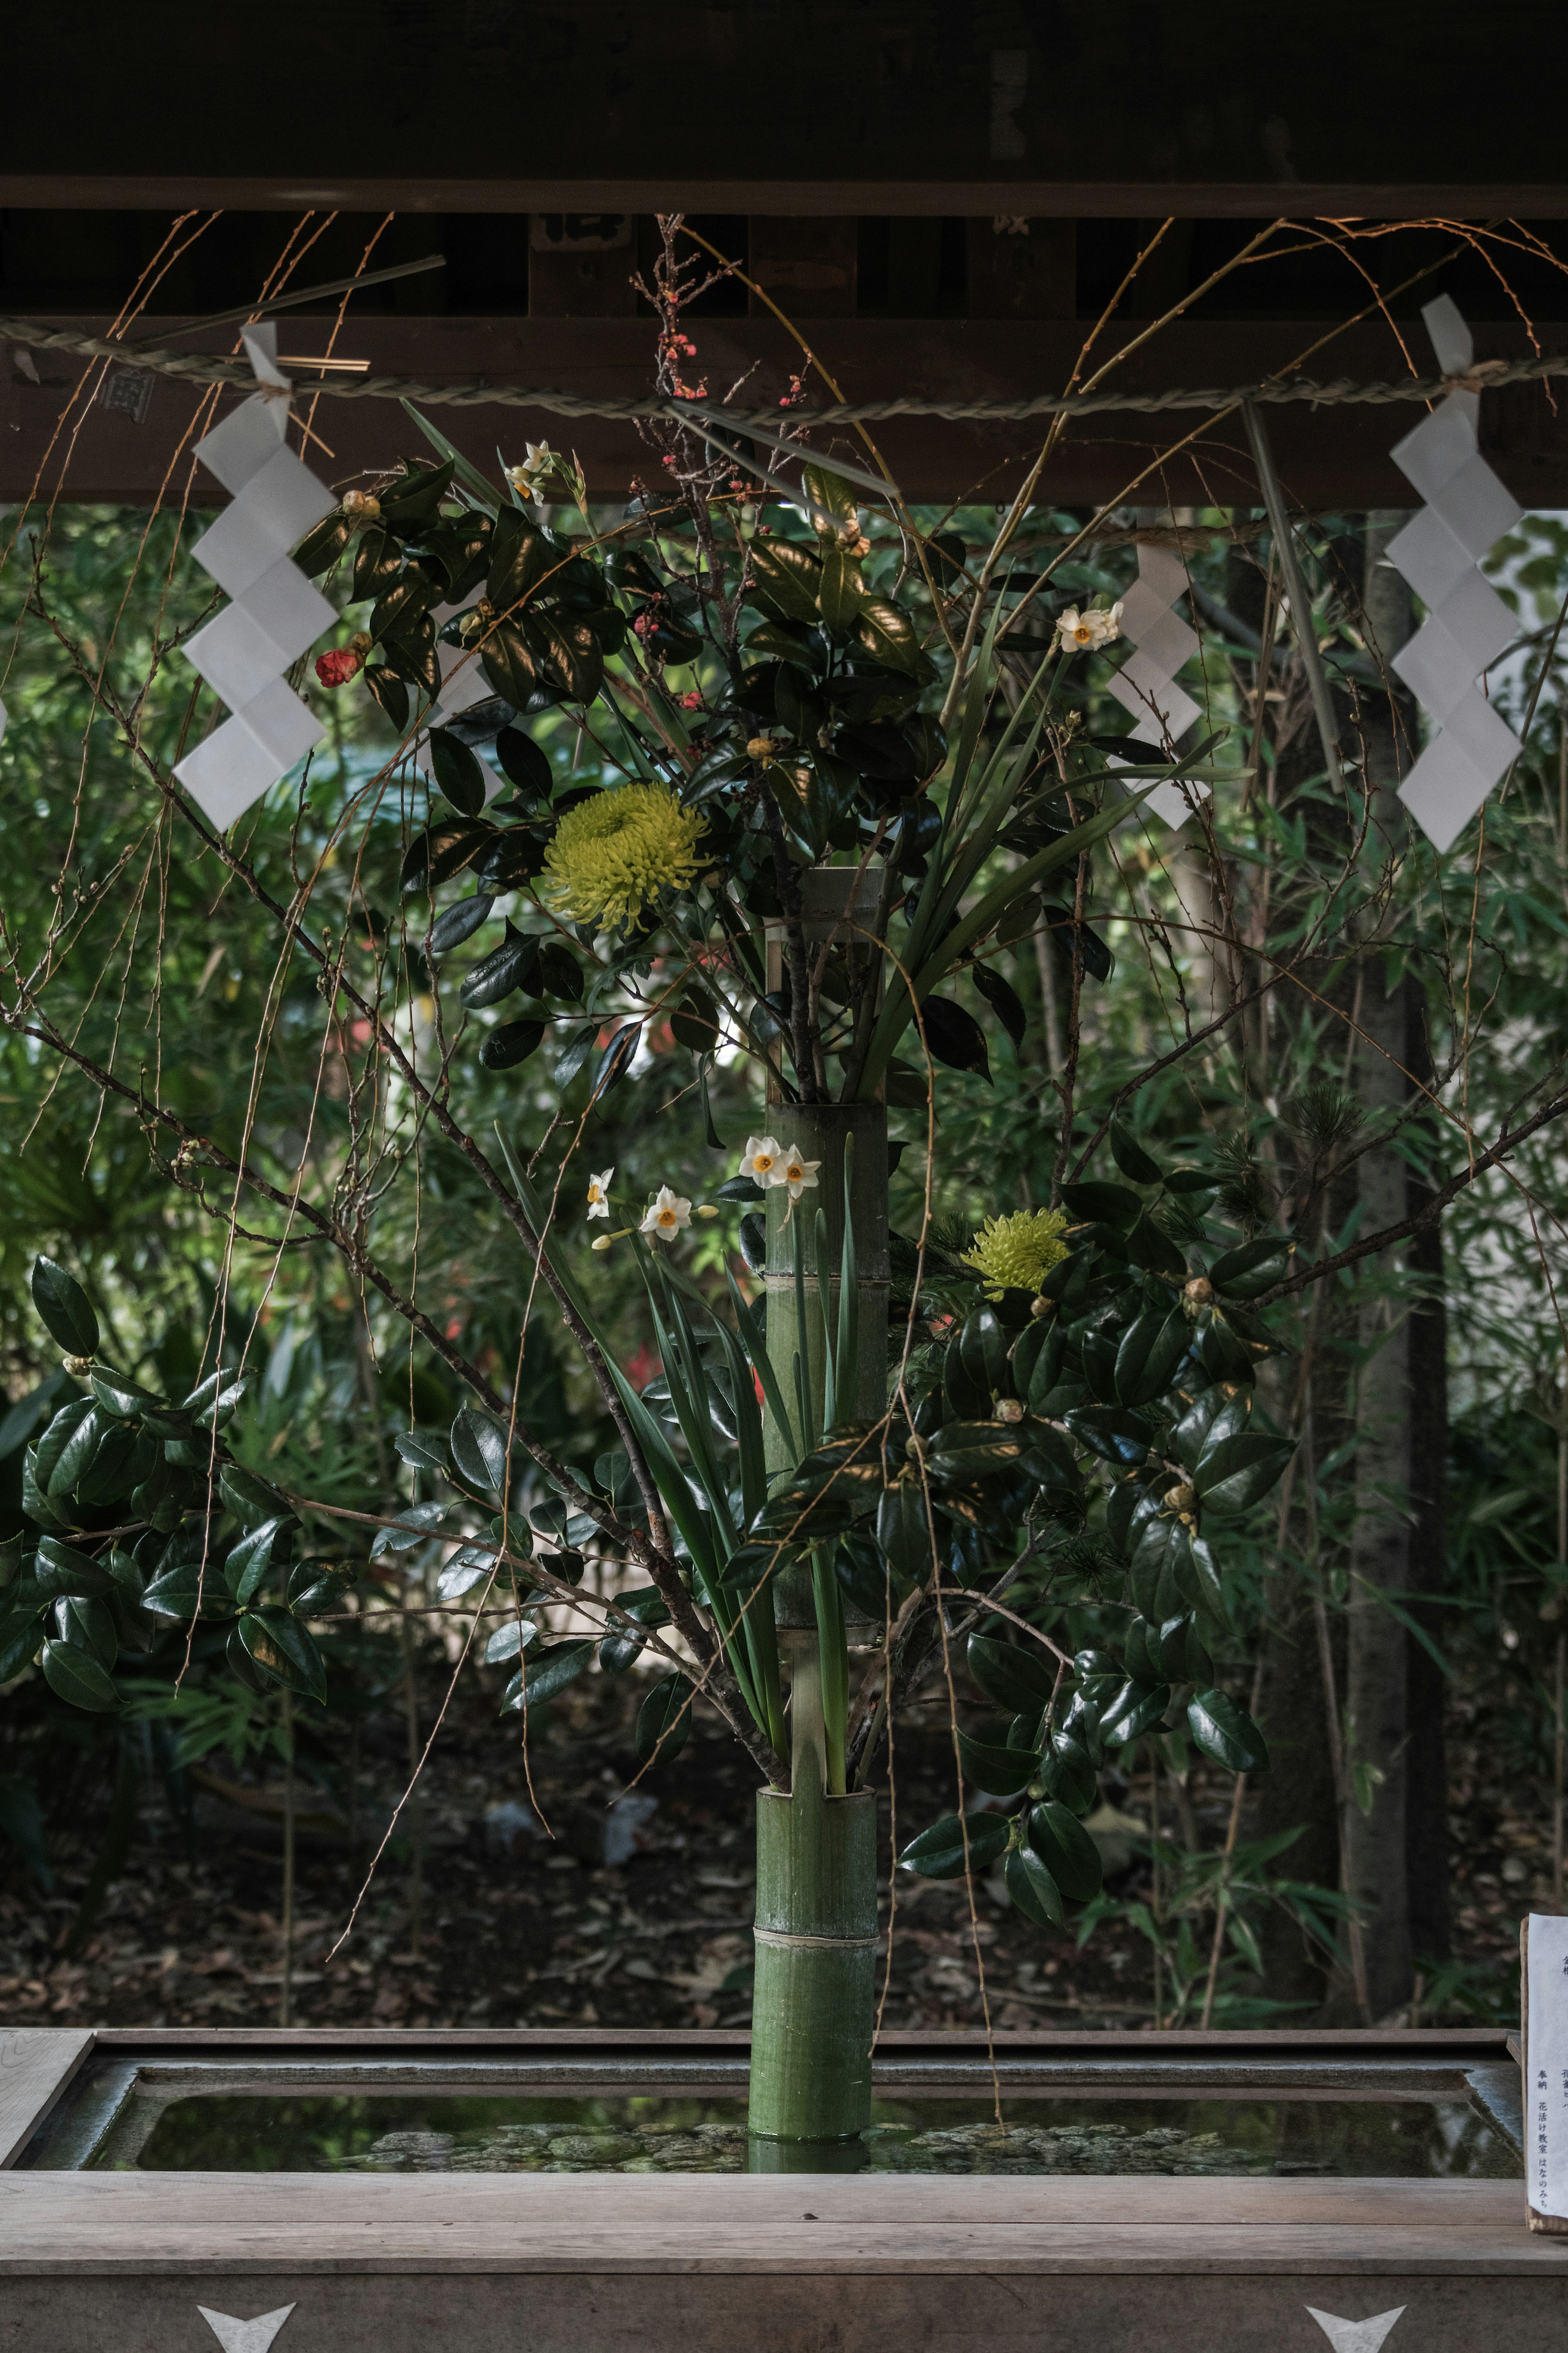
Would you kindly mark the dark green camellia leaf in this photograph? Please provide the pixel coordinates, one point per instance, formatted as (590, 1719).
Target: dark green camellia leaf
(738, 1189)
(243, 1667)
(1065, 1849)
(246, 1569)
(510, 1044)
(469, 1566)
(1068, 1774)
(322, 545)
(616, 1059)
(479, 1447)
(1190, 1435)
(1253, 1267)
(1141, 1649)
(1190, 1180)
(1148, 1247)
(540, 1678)
(459, 923)
(1018, 1680)
(21, 1639)
(982, 1346)
(954, 1036)
(904, 1528)
(525, 764)
(1115, 1433)
(750, 1563)
(887, 634)
(77, 1454)
(789, 576)
(120, 1397)
(1099, 1365)
(1150, 1348)
(90, 1625)
(1004, 1000)
(187, 1588)
(1226, 1733)
(61, 1568)
(649, 1606)
(64, 1309)
(575, 1053)
(663, 1724)
(994, 1767)
(510, 1640)
(442, 851)
(425, 1449)
(119, 1459)
(1131, 1157)
(76, 1676)
(560, 974)
(865, 1577)
(1238, 1471)
(391, 693)
(1133, 1710)
(249, 1498)
(458, 773)
(510, 966)
(938, 1852)
(1032, 1888)
(409, 1529)
(753, 1239)
(282, 1648)
(507, 661)
(1198, 1578)
(962, 1452)
(695, 1022)
(1102, 1205)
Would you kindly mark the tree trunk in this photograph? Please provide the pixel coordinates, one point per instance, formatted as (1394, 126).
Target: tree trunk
(814, 2009)
(1377, 1683)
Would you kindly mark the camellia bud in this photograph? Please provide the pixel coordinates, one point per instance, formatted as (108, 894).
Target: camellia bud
(336, 669)
(1179, 1500)
(78, 1367)
(1041, 1307)
(915, 1446)
(361, 507)
(1198, 1290)
(1009, 1409)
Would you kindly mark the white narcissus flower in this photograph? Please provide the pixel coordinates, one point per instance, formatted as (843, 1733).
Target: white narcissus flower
(599, 1193)
(797, 1172)
(760, 1160)
(668, 1216)
(1082, 633)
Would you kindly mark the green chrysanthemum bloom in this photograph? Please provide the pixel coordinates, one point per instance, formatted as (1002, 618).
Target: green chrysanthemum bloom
(1016, 1254)
(612, 854)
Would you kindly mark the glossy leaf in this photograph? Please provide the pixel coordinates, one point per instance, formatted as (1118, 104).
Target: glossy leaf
(1034, 1891)
(542, 1678)
(78, 1678)
(1094, 1203)
(283, 1649)
(458, 772)
(938, 1852)
(479, 1444)
(663, 1724)
(513, 1043)
(64, 1309)
(1236, 1472)
(954, 1036)
(1131, 1157)
(1020, 1681)
(1226, 1733)
(995, 1767)
(1065, 1849)
(1115, 1433)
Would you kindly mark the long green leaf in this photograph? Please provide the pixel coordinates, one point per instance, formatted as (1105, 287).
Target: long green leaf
(898, 1012)
(464, 470)
(847, 1367)
(754, 1340)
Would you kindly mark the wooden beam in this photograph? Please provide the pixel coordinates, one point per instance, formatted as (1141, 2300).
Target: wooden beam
(809, 264)
(1332, 456)
(36, 2065)
(1383, 198)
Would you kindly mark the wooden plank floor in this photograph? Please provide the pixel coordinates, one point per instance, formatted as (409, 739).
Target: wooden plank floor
(85, 2224)
(36, 2064)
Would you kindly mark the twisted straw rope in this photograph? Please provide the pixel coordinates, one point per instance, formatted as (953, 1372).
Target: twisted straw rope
(478, 392)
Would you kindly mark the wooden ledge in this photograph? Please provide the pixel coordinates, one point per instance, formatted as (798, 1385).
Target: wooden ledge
(94, 2224)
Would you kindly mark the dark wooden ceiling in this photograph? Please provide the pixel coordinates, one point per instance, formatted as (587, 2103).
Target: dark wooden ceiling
(940, 195)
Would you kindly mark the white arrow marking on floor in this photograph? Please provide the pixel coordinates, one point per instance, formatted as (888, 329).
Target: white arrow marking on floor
(244, 2336)
(1355, 2335)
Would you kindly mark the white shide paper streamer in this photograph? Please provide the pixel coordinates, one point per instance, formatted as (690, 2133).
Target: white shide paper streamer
(1546, 2055)
(1468, 624)
(1145, 685)
(275, 614)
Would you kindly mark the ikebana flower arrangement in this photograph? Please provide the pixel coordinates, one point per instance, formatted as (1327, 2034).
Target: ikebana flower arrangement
(865, 1460)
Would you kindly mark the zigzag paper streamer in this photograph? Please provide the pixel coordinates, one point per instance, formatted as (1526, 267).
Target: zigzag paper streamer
(275, 614)
(1145, 685)
(1468, 624)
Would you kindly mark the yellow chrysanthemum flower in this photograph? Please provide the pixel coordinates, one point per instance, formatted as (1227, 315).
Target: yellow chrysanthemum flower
(612, 854)
(1016, 1254)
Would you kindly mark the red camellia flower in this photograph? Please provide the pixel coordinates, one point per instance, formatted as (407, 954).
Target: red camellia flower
(337, 668)
(691, 701)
